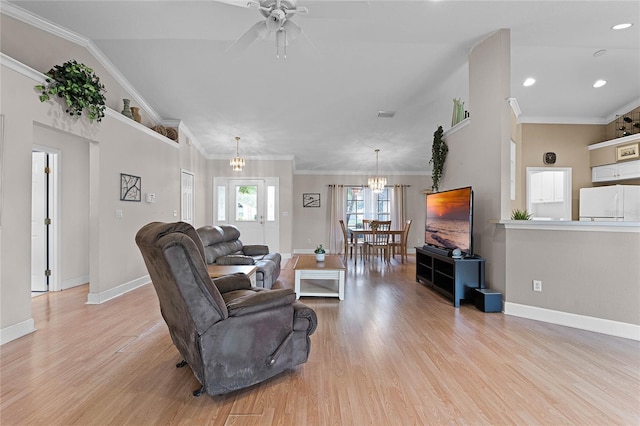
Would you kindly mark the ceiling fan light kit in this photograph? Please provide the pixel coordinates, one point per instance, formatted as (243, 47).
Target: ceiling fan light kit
(277, 14)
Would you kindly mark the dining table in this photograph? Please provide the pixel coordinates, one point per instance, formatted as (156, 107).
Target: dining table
(356, 232)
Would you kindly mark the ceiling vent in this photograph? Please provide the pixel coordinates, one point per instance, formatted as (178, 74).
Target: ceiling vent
(386, 114)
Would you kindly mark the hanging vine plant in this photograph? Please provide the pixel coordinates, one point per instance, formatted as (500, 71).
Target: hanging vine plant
(79, 88)
(439, 151)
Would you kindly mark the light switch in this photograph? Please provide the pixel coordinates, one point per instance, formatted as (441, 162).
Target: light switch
(119, 214)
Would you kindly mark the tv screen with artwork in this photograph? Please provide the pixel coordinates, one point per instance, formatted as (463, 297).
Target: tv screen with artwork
(449, 220)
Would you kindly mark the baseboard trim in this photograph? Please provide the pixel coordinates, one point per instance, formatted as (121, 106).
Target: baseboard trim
(75, 282)
(16, 331)
(582, 322)
(98, 298)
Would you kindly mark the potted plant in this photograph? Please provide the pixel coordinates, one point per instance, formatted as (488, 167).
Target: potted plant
(79, 87)
(320, 252)
(518, 214)
(439, 151)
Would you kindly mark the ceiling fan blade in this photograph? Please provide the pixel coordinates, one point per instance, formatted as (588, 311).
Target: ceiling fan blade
(239, 3)
(292, 29)
(295, 34)
(257, 31)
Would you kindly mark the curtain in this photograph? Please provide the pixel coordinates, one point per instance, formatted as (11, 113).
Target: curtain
(398, 206)
(337, 209)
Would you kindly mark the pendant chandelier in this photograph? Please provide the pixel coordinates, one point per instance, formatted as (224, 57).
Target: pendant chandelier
(377, 183)
(237, 162)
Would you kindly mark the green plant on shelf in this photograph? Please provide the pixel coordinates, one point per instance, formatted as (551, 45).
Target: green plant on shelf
(79, 88)
(518, 214)
(319, 250)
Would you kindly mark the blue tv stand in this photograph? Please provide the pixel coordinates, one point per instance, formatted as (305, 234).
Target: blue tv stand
(454, 278)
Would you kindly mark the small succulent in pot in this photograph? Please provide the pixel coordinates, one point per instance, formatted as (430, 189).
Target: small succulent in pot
(320, 252)
(518, 214)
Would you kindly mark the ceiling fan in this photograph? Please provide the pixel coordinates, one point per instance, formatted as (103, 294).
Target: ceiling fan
(277, 20)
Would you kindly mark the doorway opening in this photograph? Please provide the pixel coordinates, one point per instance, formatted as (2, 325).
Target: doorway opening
(549, 193)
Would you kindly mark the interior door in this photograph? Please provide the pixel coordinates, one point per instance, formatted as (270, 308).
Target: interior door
(39, 279)
(186, 196)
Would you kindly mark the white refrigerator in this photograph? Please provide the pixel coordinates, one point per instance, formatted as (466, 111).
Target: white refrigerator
(614, 203)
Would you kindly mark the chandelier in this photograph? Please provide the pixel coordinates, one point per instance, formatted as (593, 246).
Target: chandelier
(377, 183)
(237, 162)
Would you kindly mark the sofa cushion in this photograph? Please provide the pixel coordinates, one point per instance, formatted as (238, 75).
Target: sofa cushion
(255, 250)
(235, 259)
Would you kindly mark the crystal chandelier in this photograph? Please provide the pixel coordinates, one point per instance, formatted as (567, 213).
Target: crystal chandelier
(237, 162)
(377, 183)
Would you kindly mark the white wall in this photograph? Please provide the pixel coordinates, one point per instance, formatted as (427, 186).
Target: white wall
(117, 145)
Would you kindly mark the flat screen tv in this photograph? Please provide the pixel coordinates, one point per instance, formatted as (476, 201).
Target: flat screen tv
(449, 220)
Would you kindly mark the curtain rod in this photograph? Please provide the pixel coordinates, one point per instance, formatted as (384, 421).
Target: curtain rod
(365, 186)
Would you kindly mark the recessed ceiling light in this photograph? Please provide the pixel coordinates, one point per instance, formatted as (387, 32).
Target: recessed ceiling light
(621, 26)
(599, 53)
(529, 82)
(599, 83)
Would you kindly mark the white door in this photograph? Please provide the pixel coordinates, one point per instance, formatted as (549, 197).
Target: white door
(252, 206)
(186, 196)
(38, 226)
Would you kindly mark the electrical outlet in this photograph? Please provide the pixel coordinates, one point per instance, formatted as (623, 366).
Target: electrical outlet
(537, 285)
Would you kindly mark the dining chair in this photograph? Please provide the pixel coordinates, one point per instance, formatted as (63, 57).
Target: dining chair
(380, 238)
(402, 244)
(349, 244)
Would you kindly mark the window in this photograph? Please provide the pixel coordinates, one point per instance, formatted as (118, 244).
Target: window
(364, 204)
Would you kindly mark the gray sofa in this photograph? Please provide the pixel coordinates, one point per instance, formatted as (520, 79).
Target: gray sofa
(222, 246)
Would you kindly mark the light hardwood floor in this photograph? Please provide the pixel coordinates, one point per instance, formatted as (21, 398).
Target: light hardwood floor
(392, 353)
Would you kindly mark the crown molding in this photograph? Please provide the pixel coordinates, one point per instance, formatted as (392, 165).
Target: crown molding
(624, 110)
(561, 120)
(27, 17)
(363, 174)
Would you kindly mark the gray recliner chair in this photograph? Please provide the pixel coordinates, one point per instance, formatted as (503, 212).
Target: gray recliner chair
(232, 335)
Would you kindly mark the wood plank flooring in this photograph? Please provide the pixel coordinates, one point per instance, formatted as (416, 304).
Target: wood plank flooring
(392, 353)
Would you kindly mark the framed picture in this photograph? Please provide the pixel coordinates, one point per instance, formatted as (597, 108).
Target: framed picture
(627, 152)
(130, 187)
(310, 200)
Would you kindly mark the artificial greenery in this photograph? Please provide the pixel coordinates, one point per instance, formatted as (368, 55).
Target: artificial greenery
(78, 86)
(319, 250)
(439, 151)
(518, 214)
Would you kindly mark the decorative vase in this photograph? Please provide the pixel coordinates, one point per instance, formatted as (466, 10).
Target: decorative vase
(458, 112)
(135, 112)
(126, 111)
(319, 257)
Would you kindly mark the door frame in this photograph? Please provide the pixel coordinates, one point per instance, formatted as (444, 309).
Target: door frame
(55, 283)
(274, 229)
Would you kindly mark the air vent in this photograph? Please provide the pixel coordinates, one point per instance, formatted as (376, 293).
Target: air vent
(386, 114)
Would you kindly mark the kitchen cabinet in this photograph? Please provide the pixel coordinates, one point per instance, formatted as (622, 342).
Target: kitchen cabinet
(616, 171)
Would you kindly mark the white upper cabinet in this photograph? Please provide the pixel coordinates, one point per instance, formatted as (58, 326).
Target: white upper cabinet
(616, 172)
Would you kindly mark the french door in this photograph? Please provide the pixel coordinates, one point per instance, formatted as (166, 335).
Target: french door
(252, 206)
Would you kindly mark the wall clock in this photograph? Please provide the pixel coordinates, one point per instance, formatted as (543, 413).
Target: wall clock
(310, 200)
(549, 158)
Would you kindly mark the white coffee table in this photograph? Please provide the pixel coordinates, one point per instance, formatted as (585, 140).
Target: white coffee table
(309, 273)
(216, 271)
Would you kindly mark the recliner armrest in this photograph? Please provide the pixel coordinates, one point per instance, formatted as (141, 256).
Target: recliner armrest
(256, 300)
(255, 250)
(232, 282)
